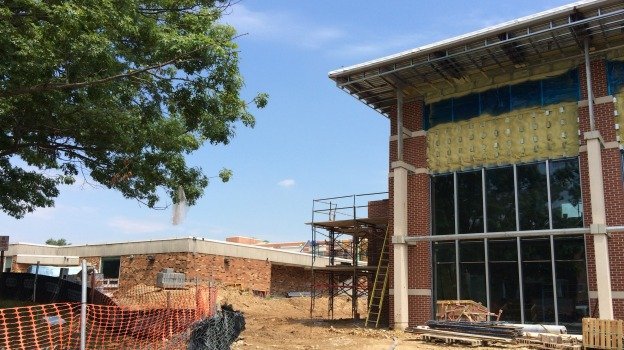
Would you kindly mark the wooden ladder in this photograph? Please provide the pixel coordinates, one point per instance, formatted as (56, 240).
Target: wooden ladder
(375, 300)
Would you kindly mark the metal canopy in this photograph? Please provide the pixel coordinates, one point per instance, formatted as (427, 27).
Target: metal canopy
(517, 48)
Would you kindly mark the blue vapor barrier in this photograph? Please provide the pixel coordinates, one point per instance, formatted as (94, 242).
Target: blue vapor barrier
(615, 76)
(533, 93)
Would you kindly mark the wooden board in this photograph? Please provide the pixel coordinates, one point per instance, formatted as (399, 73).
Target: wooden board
(448, 339)
(602, 334)
(427, 330)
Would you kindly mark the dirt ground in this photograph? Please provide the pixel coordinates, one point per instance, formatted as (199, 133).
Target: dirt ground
(285, 323)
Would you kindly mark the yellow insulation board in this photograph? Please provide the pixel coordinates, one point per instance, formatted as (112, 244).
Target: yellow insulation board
(520, 136)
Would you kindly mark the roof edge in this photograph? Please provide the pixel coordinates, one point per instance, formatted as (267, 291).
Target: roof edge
(475, 35)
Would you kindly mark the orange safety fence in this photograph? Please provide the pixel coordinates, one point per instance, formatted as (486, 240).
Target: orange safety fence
(145, 318)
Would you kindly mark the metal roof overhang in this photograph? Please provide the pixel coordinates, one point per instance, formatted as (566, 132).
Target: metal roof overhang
(495, 55)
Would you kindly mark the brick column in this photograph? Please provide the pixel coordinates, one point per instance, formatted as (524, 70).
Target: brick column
(603, 194)
(413, 168)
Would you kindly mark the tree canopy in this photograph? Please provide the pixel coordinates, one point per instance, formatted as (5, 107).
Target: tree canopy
(118, 91)
(59, 241)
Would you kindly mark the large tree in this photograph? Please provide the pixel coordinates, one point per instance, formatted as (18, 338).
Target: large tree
(114, 90)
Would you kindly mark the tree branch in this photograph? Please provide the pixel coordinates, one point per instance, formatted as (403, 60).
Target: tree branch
(69, 86)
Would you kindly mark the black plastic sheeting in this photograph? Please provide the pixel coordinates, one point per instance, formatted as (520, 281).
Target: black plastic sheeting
(20, 286)
(533, 93)
(615, 76)
(217, 332)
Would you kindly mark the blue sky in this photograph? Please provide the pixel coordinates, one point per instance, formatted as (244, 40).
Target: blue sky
(311, 141)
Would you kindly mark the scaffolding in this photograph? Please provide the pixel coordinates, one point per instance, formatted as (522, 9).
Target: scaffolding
(348, 234)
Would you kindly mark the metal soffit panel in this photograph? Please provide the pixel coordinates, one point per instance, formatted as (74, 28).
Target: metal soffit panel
(501, 50)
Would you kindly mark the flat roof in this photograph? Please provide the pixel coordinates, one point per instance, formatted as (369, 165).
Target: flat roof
(514, 50)
(173, 245)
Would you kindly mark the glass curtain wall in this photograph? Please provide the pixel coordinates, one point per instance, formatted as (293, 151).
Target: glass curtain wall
(535, 280)
(504, 285)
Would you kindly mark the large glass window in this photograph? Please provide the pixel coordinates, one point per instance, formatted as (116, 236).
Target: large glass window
(572, 298)
(533, 197)
(443, 204)
(565, 194)
(537, 280)
(445, 274)
(504, 290)
(500, 200)
(470, 202)
(526, 197)
(472, 271)
(532, 188)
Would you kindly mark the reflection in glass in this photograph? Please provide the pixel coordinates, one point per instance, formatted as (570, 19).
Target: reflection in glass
(533, 197)
(537, 280)
(565, 194)
(472, 267)
(500, 201)
(504, 291)
(443, 205)
(470, 202)
(445, 278)
(572, 298)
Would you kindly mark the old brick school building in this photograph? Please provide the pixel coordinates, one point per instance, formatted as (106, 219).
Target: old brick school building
(505, 182)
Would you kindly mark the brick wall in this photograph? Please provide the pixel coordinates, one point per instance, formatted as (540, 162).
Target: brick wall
(286, 279)
(93, 261)
(15, 267)
(418, 221)
(378, 209)
(613, 185)
(248, 273)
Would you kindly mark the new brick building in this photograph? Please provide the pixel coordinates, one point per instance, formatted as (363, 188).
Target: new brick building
(505, 167)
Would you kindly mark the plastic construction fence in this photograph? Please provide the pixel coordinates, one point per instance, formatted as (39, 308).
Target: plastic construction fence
(144, 317)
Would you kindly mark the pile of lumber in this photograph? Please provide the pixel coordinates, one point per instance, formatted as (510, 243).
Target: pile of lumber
(469, 333)
(489, 329)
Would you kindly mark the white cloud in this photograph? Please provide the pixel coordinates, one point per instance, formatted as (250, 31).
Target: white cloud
(136, 226)
(286, 183)
(283, 27)
(374, 47)
(58, 210)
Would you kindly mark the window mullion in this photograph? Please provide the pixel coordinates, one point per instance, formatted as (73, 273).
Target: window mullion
(457, 279)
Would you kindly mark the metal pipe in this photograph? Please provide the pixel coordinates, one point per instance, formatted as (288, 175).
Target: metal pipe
(486, 255)
(590, 92)
(483, 200)
(553, 275)
(496, 235)
(515, 175)
(456, 212)
(34, 295)
(550, 216)
(83, 307)
(520, 279)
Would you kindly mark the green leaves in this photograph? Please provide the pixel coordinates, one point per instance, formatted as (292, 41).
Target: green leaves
(119, 90)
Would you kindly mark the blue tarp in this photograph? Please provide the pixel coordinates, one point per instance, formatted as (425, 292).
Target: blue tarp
(561, 88)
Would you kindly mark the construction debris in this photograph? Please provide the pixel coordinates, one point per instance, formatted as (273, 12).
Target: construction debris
(551, 341)
(463, 310)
